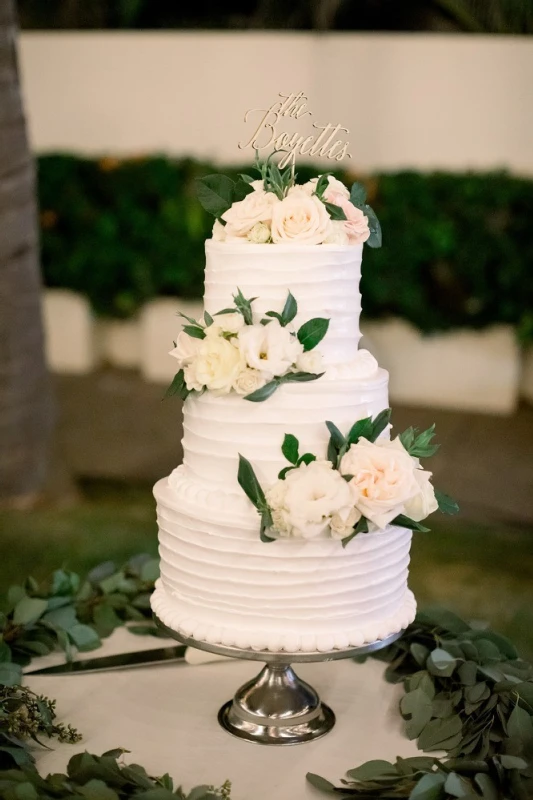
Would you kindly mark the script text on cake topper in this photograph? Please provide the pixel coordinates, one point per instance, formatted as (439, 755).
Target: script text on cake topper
(268, 134)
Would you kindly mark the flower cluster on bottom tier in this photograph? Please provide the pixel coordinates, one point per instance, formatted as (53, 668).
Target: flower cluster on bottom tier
(221, 584)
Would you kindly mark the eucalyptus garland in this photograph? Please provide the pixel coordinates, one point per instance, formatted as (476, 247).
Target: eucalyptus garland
(467, 694)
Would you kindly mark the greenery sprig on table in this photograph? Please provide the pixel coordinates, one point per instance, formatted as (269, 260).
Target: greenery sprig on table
(467, 693)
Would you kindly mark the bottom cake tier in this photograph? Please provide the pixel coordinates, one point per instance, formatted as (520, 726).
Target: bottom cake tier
(220, 584)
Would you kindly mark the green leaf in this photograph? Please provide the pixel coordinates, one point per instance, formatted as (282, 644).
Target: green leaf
(215, 193)
(290, 309)
(488, 788)
(208, 319)
(312, 332)
(64, 617)
(266, 524)
(407, 438)
(334, 211)
(336, 436)
(264, 392)
(322, 184)
(446, 504)
(150, 570)
(358, 194)
(420, 653)
(290, 448)
(105, 619)
(282, 473)
(97, 790)
(441, 663)
(241, 189)
(249, 483)
(468, 673)
(28, 610)
(405, 522)
(376, 238)
(457, 786)
(194, 331)
(362, 429)
(421, 447)
(176, 387)
(300, 377)
(246, 178)
(513, 762)
(244, 306)
(84, 637)
(447, 620)
(192, 320)
(307, 458)
(520, 725)
(320, 783)
(439, 733)
(416, 707)
(361, 527)
(429, 787)
(10, 674)
(380, 423)
(372, 770)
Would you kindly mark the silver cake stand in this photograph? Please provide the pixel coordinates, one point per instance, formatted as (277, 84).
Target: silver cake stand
(276, 707)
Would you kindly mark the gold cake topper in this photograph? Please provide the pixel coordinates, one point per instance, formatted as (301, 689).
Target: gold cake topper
(267, 133)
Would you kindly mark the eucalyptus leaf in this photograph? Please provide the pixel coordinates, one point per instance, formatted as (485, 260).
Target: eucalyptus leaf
(372, 770)
(438, 732)
(84, 637)
(358, 194)
(29, 610)
(429, 787)
(320, 783)
(441, 663)
(416, 708)
(10, 674)
(456, 785)
(520, 725)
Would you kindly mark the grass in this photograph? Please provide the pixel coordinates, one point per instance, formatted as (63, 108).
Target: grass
(482, 572)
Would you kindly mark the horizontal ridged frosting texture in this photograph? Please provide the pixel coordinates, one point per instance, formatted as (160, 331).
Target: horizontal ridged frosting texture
(324, 280)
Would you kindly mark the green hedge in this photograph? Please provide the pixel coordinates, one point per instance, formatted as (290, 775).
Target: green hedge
(458, 248)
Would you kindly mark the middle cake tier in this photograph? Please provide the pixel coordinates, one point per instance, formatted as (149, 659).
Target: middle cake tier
(218, 429)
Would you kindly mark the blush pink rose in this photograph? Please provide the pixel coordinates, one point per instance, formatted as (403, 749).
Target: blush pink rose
(356, 224)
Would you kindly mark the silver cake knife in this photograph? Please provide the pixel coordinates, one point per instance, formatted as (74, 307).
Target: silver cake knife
(140, 658)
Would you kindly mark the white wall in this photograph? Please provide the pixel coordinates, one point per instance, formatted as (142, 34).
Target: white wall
(422, 101)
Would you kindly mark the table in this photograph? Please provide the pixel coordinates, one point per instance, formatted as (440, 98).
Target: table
(166, 717)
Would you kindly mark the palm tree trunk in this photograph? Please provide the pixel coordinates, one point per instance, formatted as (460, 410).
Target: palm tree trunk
(26, 412)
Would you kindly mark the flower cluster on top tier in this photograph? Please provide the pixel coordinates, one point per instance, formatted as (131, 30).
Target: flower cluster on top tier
(366, 483)
(273, 208)
(301, 217)
(240, 352)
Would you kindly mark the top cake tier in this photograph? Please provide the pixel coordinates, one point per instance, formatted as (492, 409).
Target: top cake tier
(324, 279)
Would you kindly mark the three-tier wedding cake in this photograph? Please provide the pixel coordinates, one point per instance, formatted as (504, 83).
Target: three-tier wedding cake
(289, 523)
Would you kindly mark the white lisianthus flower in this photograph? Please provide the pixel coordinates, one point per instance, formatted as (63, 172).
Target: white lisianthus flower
(304, 504)
(229, 323)
(342, 524)
(334, 185)
(248, 381)
(244, 214)
(384, 480)
(217, 365)
(312, 361)
(300, 219)
(191, 380)
(338, 233)
(271, 349)
(219, 231)
(186, 349)
(259, 234)
(424, 503)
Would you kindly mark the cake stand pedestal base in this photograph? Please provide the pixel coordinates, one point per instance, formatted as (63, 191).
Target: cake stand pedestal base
(277, 707)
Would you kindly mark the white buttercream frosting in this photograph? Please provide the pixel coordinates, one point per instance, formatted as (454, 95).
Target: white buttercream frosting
(219, 582)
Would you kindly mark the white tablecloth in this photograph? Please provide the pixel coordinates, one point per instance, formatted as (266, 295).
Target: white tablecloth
(166, 716)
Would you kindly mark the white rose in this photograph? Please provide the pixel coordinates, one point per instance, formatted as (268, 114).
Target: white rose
(217, 365)
(312, 361)
(271, 349)
(243, 215)
(343, 524)
(259, 234)
(186, 348)
(338, 233)
(334, 185)
(383, 478)
(229, 323)
(300, 219)
(219, 231)
(304, 503)
(424, 503)
(248, 381)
